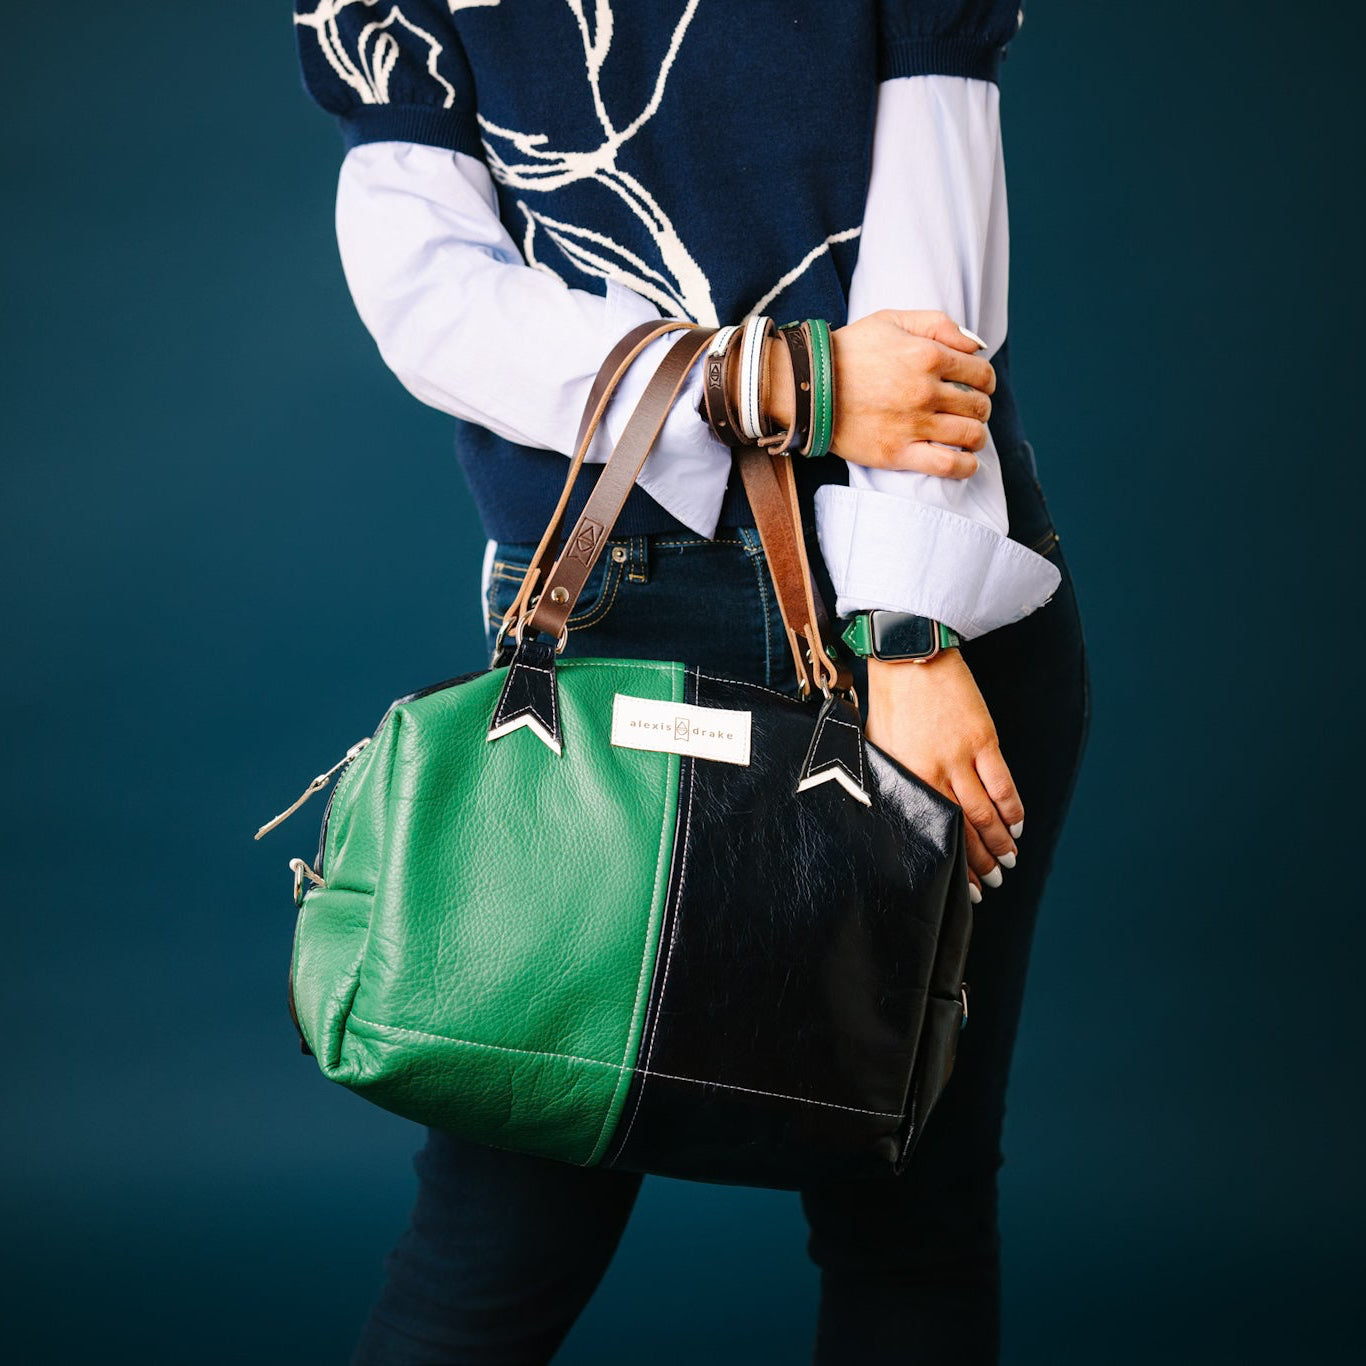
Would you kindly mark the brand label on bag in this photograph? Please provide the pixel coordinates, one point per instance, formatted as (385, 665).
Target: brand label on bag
(680, 728)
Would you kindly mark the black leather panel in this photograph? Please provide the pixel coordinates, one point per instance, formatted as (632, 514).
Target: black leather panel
(529, 689)
(804, 935)
(836, 745)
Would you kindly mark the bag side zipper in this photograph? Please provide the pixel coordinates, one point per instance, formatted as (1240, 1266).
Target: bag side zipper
(316, 785)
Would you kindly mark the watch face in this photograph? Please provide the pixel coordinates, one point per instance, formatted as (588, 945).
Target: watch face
(899, 635)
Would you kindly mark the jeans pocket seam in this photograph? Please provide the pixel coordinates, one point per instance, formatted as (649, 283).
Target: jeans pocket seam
(600, 608)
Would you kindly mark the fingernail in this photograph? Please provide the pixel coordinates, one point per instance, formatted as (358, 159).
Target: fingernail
(972, 336)
(974, 894)
(1017, 830)
(994, 878)
(1006, 860)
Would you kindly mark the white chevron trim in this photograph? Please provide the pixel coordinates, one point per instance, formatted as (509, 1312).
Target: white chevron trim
(838, 774)
(532, 724)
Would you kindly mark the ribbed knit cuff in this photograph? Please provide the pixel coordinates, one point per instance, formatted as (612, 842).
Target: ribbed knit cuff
(454, 129)
(938, 57)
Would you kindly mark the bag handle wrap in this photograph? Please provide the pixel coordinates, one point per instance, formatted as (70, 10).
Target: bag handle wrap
(769, 485)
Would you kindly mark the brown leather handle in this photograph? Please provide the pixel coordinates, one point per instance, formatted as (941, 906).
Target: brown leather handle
(772, 493)
(589, 535)
(610, 374)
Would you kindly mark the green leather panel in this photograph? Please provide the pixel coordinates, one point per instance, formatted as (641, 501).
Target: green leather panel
(480, 957)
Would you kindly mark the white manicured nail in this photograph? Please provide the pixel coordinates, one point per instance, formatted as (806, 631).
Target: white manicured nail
(974, 894)
(1006, 860)
(994, 878)
(972, 336)
(1017, 830)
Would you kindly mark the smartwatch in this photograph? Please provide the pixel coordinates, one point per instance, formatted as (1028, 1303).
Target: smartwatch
(898, 636)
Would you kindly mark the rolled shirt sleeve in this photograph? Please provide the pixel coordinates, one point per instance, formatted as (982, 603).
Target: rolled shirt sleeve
(469, 328)
(935, 235)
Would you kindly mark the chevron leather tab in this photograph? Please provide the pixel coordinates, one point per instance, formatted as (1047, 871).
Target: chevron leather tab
(836, 752)
(529, 697)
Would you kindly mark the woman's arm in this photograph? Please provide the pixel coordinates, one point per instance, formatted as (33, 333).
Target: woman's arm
(468, 327)
(936, 235)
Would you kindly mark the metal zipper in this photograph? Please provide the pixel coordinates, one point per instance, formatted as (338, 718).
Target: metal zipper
(316, 785)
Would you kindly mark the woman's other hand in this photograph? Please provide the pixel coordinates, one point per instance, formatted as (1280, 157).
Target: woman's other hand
(932, 718)
(903, 378)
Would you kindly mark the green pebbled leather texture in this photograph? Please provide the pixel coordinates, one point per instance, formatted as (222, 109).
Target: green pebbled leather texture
(540, 881)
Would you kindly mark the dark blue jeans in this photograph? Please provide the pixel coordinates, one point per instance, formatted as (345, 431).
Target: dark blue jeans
(503, 1251)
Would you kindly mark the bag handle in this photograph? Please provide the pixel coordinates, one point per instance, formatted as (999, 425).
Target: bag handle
(769, 485)
(588, 537)
(610, 374)
(771, 489)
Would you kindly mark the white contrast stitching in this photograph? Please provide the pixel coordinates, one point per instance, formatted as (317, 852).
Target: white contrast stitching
(745, 683)
(640, 979)
(858, 745)
(619, 1067)
(507, 688)
(668, 957)
(492, 1047)
(777, 1095)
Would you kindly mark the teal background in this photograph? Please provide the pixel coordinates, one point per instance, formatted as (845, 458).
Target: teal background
(230, 538)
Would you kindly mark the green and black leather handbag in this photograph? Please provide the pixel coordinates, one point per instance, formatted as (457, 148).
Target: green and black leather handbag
(626, 913)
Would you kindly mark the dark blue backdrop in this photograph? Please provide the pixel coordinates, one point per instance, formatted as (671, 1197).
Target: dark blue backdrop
(230, 538)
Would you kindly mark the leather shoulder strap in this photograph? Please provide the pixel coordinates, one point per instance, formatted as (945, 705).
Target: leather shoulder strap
(589, 535)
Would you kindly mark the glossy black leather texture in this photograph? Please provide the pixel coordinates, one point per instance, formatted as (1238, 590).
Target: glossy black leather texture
(803, 1007)
(837, 751)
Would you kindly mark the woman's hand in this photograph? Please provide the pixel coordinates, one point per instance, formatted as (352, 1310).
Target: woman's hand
(903, 378)
(931, 718)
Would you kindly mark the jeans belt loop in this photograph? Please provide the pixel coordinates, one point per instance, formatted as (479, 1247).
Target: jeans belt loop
(638, 563)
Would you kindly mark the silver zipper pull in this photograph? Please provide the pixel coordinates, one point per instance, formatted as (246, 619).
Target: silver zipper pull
(316, 785)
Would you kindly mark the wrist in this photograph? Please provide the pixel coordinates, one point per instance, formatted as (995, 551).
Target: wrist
(890, 679)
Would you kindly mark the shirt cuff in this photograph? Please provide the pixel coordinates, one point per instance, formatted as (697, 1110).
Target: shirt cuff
(889, 552)
(687, 470)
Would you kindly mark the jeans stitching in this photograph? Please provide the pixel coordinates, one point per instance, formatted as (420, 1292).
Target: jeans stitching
(601, 608)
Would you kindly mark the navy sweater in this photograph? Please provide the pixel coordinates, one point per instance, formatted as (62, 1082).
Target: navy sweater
(750, 129)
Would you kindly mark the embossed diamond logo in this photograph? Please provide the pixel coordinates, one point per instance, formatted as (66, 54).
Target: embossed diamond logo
(586, 537)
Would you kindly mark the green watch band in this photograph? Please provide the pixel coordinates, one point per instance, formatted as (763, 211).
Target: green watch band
(897, 636)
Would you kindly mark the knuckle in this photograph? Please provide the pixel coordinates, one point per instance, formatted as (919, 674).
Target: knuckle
(921, 392)
(924, 356)
(938, 461)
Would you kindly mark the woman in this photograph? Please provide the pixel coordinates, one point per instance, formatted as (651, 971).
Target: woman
(524, 181)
